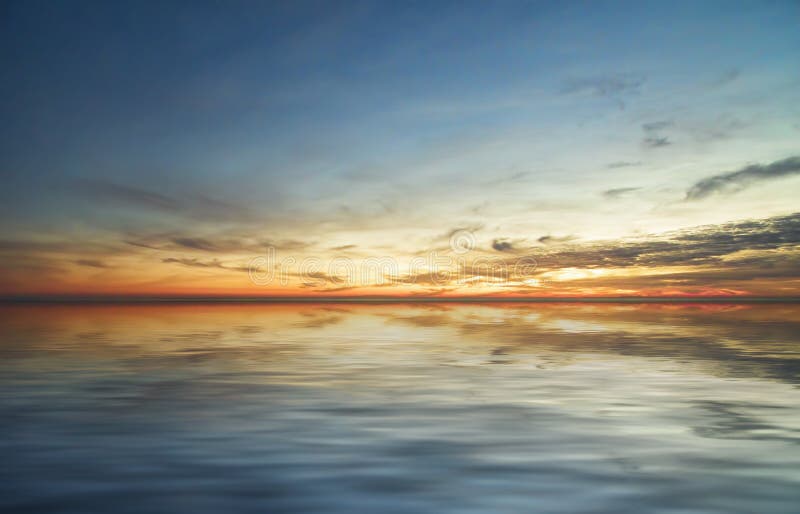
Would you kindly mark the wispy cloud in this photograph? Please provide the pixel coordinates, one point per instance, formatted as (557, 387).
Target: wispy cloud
(616, 87)
(128, 195)
(653, 134)
(91, 263)
(466, 228)
(656, 142)
(191, 205)
(549, 239)
(656, 126)
(738, 180)
(514, 178)
(196, 243)
(622, 164)
(226, 244)
(318, 276)
(61, 246)
(727, 77)
(197, 263)
(619, 191)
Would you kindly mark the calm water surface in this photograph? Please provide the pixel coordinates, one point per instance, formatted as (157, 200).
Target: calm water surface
(436, 408)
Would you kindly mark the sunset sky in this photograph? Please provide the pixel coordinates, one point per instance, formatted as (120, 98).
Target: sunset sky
(400, 148)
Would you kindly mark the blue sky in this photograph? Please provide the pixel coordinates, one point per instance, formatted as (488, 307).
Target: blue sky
(382, 125)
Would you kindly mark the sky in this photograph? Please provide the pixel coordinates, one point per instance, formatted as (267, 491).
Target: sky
(400, 148)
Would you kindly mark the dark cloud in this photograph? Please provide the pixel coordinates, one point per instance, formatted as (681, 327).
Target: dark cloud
(700, 246)
(618, 192)
(195, 243)
(502, 246)
(141, 245)
(740, 179)
(343, 248)
(718, 259)
(548, 239)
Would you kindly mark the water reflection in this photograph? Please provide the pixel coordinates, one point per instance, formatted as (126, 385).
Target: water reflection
(400, 408)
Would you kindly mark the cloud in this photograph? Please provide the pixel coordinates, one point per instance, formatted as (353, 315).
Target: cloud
(286, 244)
(656, 126)
(230, 244)
(517, 177)
(708, 258)
(196, 263)
(343, 248)
(468, 228)
(91, 263)
(727, 77)
(437, 278)
(653, 134)
(735, 181)
(193, 262)
(141, 245)
(656, 142)
(622, 164)
(502, 246)
(191, 205)
(548, 239)
(615, 87)
(58, 247)
(320, 279)
(722, 127)
(204, 207)
(318, 275)
(618, 192)
(711, 245)
(195, 243)
(104, 190)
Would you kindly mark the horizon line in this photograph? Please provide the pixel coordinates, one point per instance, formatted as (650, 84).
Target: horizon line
(137, 299)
